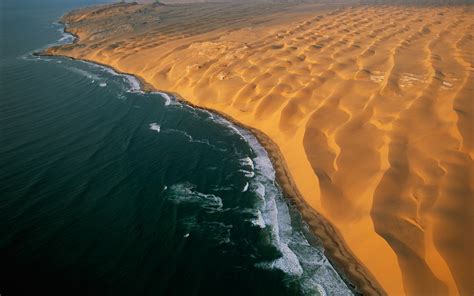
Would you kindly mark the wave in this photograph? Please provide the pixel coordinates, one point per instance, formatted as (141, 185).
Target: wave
(66, 38)
(132, 82)
(248, 174)
(247, 161)
(155, 127)
(249, 167)
(168, 99)
(287, 263)
(246, 187)
(258, 221)
(298, 257)
(84, 73)
(192, 140)
(185, 193)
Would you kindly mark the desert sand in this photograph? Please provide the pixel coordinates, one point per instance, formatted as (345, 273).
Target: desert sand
(367, 111)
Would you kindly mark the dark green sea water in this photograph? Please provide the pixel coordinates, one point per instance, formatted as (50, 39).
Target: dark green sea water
(105, 190)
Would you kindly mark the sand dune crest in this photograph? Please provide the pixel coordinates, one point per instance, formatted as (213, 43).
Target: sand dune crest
(371, 108)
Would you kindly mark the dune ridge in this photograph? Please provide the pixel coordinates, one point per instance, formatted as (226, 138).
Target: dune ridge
(368, 107)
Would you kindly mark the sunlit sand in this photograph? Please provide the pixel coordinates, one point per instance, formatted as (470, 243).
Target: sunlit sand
(366, 110)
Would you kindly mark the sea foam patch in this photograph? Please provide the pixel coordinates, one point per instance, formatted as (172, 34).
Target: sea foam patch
(84, 73)
(132, 82)
(246, 187)
(258, 221)
(185, 193)
(66, 38)
(191, 139)
(155, 127)
(165, 96)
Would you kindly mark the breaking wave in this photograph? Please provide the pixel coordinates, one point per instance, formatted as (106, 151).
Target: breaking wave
(298, 257)
(155, 127)
(185, 193)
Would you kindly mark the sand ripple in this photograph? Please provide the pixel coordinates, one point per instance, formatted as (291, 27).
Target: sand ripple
(371, 107)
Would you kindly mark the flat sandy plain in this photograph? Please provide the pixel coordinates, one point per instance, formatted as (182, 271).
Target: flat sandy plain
(367, 111)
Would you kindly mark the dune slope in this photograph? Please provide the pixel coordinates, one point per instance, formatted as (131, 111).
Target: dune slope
(371, 108)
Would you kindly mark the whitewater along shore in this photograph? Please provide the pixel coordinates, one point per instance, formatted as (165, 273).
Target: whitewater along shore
(366, 112)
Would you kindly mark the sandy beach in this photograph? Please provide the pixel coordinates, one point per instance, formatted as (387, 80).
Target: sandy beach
(366, 111)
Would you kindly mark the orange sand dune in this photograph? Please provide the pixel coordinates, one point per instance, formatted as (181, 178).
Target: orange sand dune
(370, 107)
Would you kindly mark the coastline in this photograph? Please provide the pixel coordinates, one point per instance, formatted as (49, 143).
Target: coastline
(352, 271)
(357, 277)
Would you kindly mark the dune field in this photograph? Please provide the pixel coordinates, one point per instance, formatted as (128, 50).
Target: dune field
(370, 109)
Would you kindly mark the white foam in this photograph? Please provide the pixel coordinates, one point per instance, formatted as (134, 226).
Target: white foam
(171, 100)
(287, 263)
(133, 83)
(246, 187)
(298, 258)
(247, 161)
(84, 73)
(154, 126)
(265, 188)
(191, 139)
(225, 123)
(166, 97)
(320, 290)
(66, 38)
(185, 193)
(258, 221)
(260, 191)
(248, 174)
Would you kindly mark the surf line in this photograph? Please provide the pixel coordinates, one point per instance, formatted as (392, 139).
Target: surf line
(349, 268)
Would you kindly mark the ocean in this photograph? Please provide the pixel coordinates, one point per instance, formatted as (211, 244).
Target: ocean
(107, 190)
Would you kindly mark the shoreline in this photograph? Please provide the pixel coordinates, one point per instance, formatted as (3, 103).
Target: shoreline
(356, 276)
